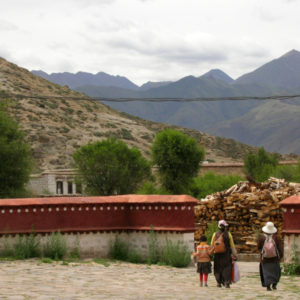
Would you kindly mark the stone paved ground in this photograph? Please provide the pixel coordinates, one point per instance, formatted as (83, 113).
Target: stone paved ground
(36, 280)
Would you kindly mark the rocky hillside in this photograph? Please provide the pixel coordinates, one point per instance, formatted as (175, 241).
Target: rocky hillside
(56, 127)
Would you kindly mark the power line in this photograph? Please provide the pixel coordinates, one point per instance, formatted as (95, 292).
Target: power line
(161, 99)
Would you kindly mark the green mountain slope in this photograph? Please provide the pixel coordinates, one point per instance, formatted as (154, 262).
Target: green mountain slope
(274, 124)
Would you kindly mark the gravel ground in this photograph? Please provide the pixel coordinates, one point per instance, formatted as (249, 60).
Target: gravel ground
(33, 279)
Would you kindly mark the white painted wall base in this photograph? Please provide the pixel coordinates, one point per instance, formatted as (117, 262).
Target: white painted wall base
(97, 244)
(290, 241)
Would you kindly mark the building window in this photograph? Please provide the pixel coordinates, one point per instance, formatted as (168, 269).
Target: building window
(59, 187)
(70, 187)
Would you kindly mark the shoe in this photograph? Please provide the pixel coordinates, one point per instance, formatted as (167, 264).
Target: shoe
(227, 285)
(274, 286)
(205, 284)
(201, 283)
(219, 285)
(268, 288)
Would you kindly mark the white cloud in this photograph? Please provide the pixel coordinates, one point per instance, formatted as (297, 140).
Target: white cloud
(7, 26)
(147, 39)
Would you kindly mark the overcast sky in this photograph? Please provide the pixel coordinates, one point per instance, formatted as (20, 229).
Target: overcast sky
(146, 40)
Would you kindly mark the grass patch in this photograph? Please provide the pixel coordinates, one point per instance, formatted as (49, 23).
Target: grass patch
(101, 261)
(27, 246)
(210, 183)
(118, 249)
(134, 257)
(126, 134)
(293, 268)
(110, 125)
(172, 254)
(75, 251)
(55, 246)
(46, 260)
(175, 254)
(154, 251)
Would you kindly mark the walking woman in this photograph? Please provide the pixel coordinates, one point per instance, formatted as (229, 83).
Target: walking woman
(224, 251)
(271, 250)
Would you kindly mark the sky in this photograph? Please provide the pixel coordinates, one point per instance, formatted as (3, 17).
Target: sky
(148, 40)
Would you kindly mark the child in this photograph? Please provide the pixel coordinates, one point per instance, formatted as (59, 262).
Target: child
(203, 260)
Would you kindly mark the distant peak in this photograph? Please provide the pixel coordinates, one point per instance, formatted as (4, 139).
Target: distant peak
(214, 72)
(80, 73)
(291, 53)
(189, 77)
(102, 73)
(39, 72)
(218, 74)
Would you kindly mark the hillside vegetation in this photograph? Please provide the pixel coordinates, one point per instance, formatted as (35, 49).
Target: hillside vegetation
(55, 128)
(224, 118)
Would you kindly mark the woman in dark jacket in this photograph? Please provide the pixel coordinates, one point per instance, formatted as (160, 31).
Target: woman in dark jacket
(223, 261)
(269, 267)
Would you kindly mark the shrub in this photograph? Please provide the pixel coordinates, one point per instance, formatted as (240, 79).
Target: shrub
(27, 246)
(293, 268)
(55, 246)
(149, 188)
(126, 134)
(210, 183)
(177, 157)
(15, 156)
(175, 254)
(211, 229)
(7, 250)
(46, 260)
(110, 167)
(261, 165)
(288, 172)
(134, 257)
(75, 251)
(118, 249)
(154, 252)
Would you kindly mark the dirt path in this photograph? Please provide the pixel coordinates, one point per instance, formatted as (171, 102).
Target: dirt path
(35, 280)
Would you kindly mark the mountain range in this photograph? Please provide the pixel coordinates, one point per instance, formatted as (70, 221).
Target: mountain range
(271, 123)
(56, 123)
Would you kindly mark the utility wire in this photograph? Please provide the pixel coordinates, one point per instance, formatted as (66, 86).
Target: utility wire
(161, 99)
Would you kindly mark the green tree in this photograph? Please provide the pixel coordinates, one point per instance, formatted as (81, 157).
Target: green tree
(15, 157)
(290, 173)
(210, 183)
(261, 165)
(109, 167)
(178, 158)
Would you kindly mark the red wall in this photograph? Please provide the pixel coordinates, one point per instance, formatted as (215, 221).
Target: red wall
(291, 220)
(85, 214)
(291, 214)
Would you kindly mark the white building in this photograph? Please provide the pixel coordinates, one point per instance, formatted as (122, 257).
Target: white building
(55, 182)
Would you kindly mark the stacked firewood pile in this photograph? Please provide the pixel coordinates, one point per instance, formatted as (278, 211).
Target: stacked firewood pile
(246, 206)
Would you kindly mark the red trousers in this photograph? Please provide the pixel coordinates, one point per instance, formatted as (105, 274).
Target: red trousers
(205, 276)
